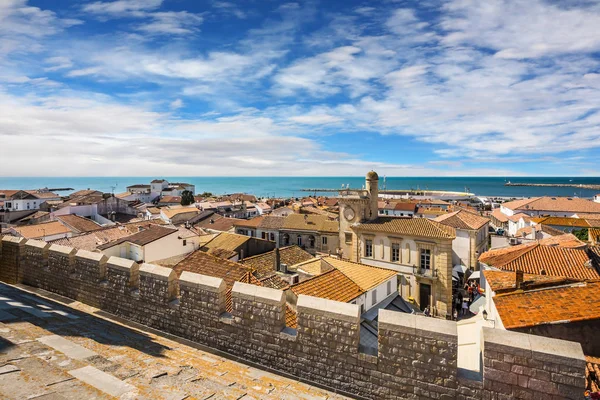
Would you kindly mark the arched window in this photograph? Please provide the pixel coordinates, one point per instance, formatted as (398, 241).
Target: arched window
(311, 241)
(407, 253)
(286, 239)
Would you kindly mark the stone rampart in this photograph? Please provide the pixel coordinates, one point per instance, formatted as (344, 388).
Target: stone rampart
(417, 356)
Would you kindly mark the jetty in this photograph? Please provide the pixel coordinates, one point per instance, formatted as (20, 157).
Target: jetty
(574, 185)
(410, 192)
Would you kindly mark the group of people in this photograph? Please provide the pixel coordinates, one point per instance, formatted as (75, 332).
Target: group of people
(463, 302)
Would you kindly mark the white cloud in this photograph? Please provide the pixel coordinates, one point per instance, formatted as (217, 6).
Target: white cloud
(122, 8)
(523, 28)
(176, 104)
(57, 63)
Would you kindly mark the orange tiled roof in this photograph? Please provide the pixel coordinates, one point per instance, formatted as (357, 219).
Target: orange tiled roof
(249, 223)
(499, 215)
(502, 281)
(91, 241)
(78, 223)
(462, 219)
(217, 222)
(365, 276)
(409, 227)
(316, 266)
(518, 216)
(592, 373)
(41, 230)
(305, 222)
(332, 285)
(225, 241)
(291, 318)
(263, 264)
(576, 302)
(567, 204)
(562, 221)
(171, 212)
(534, 258)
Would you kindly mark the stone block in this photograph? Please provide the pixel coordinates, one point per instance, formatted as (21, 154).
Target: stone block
(397, 322)
(204, 282)
(62, 250)
(157, 272)
(328, 308)
(436, 328)
(557, 351)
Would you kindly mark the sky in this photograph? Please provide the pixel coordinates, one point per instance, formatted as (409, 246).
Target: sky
(307, 88)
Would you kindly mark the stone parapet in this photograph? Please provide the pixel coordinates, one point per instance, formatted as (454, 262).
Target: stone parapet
(416, 356)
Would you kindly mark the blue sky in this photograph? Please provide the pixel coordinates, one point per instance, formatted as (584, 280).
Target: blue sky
(207, 88)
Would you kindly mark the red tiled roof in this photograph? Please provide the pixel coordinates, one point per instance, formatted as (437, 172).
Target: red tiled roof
(502, 281)
(564, 304)
(409, 227)
(332, 285)
(462, 220)
(536, 258)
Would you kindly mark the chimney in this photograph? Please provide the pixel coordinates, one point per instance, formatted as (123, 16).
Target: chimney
(519, 279)
(241, 254)
(276, 259)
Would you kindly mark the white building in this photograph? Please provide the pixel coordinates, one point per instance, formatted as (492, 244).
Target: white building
(25, 200)
(597, 198)
(550, 206)
(472, 233)
(150, 244)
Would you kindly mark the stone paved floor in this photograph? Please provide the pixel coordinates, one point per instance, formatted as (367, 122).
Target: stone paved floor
(50, 351)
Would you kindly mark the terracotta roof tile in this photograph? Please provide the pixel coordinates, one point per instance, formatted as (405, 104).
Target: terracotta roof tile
(272, 222)
(42, 230)
(274, 282)
(576, 302)
(225, 245)
(499, 215)
(315, 266)
(552, 260)
(502, 281)
(91, 241)
(249, 223)
(409, 227)
(148, 235)
(305, 222)
(562, 221)
(263, 264)
(170, 212)
(217, 222)
(592, 373)
(463, 220)
(365, 276)
(291, 318)
(567, 204)
(78, 223)
(332, 285)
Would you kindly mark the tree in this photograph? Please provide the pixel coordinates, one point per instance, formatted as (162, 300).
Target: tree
(187, 198)
(207, 194)
(581, 234)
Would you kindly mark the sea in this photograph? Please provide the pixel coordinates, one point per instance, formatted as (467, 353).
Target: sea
(292, 186)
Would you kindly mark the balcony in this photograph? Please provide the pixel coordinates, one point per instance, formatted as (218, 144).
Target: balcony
(425, 273)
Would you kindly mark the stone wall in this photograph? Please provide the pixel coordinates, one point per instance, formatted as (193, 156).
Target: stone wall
(416, 355)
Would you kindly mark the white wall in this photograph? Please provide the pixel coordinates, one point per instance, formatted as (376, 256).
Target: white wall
(166, 247)
(461, 248)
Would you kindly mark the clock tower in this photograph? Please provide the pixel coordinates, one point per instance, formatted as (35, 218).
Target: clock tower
(357, 206)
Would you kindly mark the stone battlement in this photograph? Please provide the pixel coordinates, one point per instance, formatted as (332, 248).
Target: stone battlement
(416, 355)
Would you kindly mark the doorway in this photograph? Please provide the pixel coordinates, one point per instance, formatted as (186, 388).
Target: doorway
(424, 296)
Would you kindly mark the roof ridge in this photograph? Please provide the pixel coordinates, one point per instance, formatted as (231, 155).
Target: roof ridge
(316, 276)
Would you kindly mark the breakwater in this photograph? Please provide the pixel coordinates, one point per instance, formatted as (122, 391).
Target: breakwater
(574, 185)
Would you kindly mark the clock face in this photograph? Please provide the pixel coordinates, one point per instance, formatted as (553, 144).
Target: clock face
(349, 213)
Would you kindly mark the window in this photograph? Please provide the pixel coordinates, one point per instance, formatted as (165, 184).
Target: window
(272, 237)
(299, 240)
(184, 242)
(311, 241)
(374, 297)
(395, 252)
(264, 235)
(389, 288)
(286, 239)
(324, 240)
(348, 237)
(368, 248)
(407, 253)
(425, 258)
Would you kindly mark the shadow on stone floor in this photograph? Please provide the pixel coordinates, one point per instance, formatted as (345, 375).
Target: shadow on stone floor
(79, 324)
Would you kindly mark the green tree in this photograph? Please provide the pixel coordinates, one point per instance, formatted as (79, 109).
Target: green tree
(187, 198)
(207, 194)
(581, 234)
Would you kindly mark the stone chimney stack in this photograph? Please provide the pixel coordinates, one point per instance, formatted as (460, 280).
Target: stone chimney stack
(372, 186)
(519, 279)
(276, 259)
